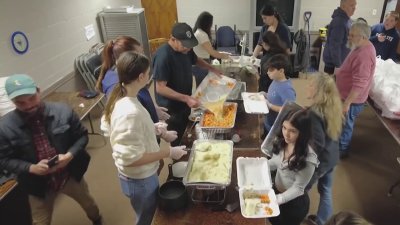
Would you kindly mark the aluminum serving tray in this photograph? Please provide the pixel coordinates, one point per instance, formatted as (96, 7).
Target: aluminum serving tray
(219, 130)
(204, 184)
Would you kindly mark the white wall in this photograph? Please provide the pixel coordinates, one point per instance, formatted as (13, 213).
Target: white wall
(230, 12)
(55, 29)
(225, 12)
(241, 12)
(322, 11)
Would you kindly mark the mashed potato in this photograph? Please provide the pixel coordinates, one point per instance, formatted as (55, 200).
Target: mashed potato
(212, 163)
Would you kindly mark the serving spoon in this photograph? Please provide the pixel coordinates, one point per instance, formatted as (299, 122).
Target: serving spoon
(196, 120)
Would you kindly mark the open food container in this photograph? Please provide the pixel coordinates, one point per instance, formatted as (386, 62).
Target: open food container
(209, 124)
(255, 103)
(257, 198)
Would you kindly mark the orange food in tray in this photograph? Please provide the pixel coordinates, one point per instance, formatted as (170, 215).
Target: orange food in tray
(227, 120)
(265, 198)
(268, 211)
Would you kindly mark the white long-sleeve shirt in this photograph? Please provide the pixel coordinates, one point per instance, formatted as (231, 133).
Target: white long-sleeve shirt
(132, 133)
(291, 183)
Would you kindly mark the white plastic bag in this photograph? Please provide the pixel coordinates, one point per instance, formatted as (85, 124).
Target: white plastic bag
(385, 89)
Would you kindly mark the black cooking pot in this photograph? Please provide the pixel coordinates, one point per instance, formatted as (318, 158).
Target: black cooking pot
(173, 195)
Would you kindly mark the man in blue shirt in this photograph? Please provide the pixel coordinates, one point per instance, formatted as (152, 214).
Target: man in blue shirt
(385, 37)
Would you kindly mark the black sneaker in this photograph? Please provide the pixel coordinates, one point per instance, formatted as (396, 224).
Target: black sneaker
(344, 155)
(99, 221)
(312, 220)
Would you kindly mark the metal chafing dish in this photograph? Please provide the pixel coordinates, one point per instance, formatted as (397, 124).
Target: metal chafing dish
(202, 188)
(211, 131)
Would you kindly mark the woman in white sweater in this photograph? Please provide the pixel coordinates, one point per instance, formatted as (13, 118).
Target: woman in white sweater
(295, 162)
(202, 31)
(133, 137)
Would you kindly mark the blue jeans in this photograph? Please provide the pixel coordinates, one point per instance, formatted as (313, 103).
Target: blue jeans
(325, 197)
(347, 132)
(143, 196)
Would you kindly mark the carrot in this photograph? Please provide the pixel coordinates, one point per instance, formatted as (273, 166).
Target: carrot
(268, 210)
(265, 198)
(227, 120)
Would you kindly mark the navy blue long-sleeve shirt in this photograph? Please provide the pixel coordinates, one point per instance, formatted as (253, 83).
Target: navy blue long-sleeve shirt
(386, 49)
(335, 48)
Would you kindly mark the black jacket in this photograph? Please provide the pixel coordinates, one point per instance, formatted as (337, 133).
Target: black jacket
(326, 148)
(65, 133)
(335, 48)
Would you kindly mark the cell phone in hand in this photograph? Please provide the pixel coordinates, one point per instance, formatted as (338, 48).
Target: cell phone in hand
(52, 161)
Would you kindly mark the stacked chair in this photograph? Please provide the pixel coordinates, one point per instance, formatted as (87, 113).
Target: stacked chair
(89, 65)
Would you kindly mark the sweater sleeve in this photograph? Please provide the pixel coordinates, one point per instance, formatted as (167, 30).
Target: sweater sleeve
(301, 180)
(126, 141)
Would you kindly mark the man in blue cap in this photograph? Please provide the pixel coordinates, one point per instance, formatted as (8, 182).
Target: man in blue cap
(44, 145)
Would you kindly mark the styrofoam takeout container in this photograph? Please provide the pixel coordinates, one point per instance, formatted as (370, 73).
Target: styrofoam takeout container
(253, 175)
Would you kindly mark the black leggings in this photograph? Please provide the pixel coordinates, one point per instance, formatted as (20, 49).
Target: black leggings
(292, 212)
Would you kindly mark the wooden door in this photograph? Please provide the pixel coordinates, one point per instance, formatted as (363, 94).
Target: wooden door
(161, 15)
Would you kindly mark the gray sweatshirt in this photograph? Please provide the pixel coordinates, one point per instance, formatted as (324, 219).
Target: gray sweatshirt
(291, 183)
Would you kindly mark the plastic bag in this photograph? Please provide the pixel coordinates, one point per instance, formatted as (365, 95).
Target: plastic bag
(214, 89)
(385, 88)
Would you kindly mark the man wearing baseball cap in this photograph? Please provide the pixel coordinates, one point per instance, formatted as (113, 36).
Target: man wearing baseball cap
(172, 68)
(36, 132)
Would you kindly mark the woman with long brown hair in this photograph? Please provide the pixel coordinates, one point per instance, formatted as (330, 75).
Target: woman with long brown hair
(108, 77)
(294, 162)
(202, 31)
(133, 137)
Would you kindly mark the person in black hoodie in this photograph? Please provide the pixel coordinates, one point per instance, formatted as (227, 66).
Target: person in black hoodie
(326, 109)
(385, 37)
(335, 48)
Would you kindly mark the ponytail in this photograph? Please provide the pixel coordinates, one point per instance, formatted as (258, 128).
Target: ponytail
(118, 92)
(108, 61)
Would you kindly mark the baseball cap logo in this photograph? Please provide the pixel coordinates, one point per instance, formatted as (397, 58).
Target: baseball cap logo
(17, 83)
(188, 34)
